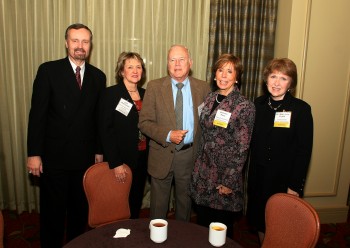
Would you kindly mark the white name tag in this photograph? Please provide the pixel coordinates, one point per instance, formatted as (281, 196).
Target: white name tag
(124, 107)
(282, 119)
(222, 118)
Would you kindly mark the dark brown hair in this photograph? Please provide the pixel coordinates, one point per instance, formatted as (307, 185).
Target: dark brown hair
(227, 58)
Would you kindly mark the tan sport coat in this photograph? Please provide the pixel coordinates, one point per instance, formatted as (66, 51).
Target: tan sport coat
(157, 118)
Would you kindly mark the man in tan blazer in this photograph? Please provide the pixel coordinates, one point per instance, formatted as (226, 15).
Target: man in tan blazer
(158, 121)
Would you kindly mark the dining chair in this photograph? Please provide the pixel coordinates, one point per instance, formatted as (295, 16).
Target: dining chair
(291, 222)
(108, 199)
(1, 230)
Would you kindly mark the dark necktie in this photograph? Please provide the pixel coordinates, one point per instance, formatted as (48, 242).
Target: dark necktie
(77, 76)
(179, 111)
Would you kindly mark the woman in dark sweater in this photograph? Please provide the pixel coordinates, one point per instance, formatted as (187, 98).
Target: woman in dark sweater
(281, 143)
(123, 143)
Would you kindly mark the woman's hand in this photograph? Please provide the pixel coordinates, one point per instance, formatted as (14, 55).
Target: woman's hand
(120, 173)
(224, 190)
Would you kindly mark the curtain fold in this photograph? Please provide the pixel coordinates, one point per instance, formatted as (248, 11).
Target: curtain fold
(32, 32)
(245, 28)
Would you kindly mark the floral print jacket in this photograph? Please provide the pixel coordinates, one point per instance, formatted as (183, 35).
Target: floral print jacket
(222, 152)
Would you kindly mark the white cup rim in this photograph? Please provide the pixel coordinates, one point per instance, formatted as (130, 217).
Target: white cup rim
(165, 222)
(218, 224)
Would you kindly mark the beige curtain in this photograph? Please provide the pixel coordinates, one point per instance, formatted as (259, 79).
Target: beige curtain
(32, 32)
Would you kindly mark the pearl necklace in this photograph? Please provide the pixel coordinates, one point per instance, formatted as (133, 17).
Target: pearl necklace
(270, 105)
(216, 98)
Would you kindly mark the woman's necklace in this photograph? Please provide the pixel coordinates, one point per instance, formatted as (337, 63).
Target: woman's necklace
(219, 98)
(132, 91)
(270, 105)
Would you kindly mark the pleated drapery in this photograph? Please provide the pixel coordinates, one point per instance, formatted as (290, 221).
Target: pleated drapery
(247, 30)
(32, 32)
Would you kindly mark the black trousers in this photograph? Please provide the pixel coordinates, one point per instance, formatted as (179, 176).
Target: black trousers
(63, 206)
(139, 176)
(207, 215)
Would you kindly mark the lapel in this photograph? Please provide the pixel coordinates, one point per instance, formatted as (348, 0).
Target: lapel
(167, 94)
(125, 95)
(89, 87)
(266, 116)
(69, 82)
(87, 82)
(77, 97)
(71, 88)
(69, 78)
(196, 101)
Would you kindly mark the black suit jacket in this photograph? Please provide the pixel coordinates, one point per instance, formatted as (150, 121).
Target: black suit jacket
(62, 126)
(120, 134)
(280, 157)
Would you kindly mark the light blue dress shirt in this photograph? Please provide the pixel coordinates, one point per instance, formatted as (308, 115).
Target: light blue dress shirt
(188, 120)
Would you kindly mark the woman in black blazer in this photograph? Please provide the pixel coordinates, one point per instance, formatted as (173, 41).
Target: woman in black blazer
(281, 143)
(123, 144)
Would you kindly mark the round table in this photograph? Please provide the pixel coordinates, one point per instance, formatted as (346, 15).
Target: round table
(180, 234)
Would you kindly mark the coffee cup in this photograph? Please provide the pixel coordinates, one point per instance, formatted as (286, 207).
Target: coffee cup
(158, 230)
(217, 234)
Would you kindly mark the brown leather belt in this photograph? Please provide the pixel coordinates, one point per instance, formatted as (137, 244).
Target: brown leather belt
(185, 147)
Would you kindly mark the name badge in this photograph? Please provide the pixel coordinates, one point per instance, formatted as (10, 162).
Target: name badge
(282, 119)
(222, 118)
(124, 107)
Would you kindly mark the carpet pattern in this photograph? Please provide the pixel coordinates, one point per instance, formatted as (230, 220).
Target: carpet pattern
(22, 231)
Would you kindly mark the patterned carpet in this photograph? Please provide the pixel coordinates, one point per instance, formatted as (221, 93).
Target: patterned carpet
(23, 231)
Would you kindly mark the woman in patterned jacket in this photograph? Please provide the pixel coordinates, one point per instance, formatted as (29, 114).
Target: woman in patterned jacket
(226, 120)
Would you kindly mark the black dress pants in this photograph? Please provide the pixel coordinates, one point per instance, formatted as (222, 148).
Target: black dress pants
(63, 206)
(138, 184)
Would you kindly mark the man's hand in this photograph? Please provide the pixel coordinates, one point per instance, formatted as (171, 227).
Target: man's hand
(35, 165)
(98, 158)
(176, 136)
(292, 192)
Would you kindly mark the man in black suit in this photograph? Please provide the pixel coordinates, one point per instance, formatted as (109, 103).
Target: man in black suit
(62, 136)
